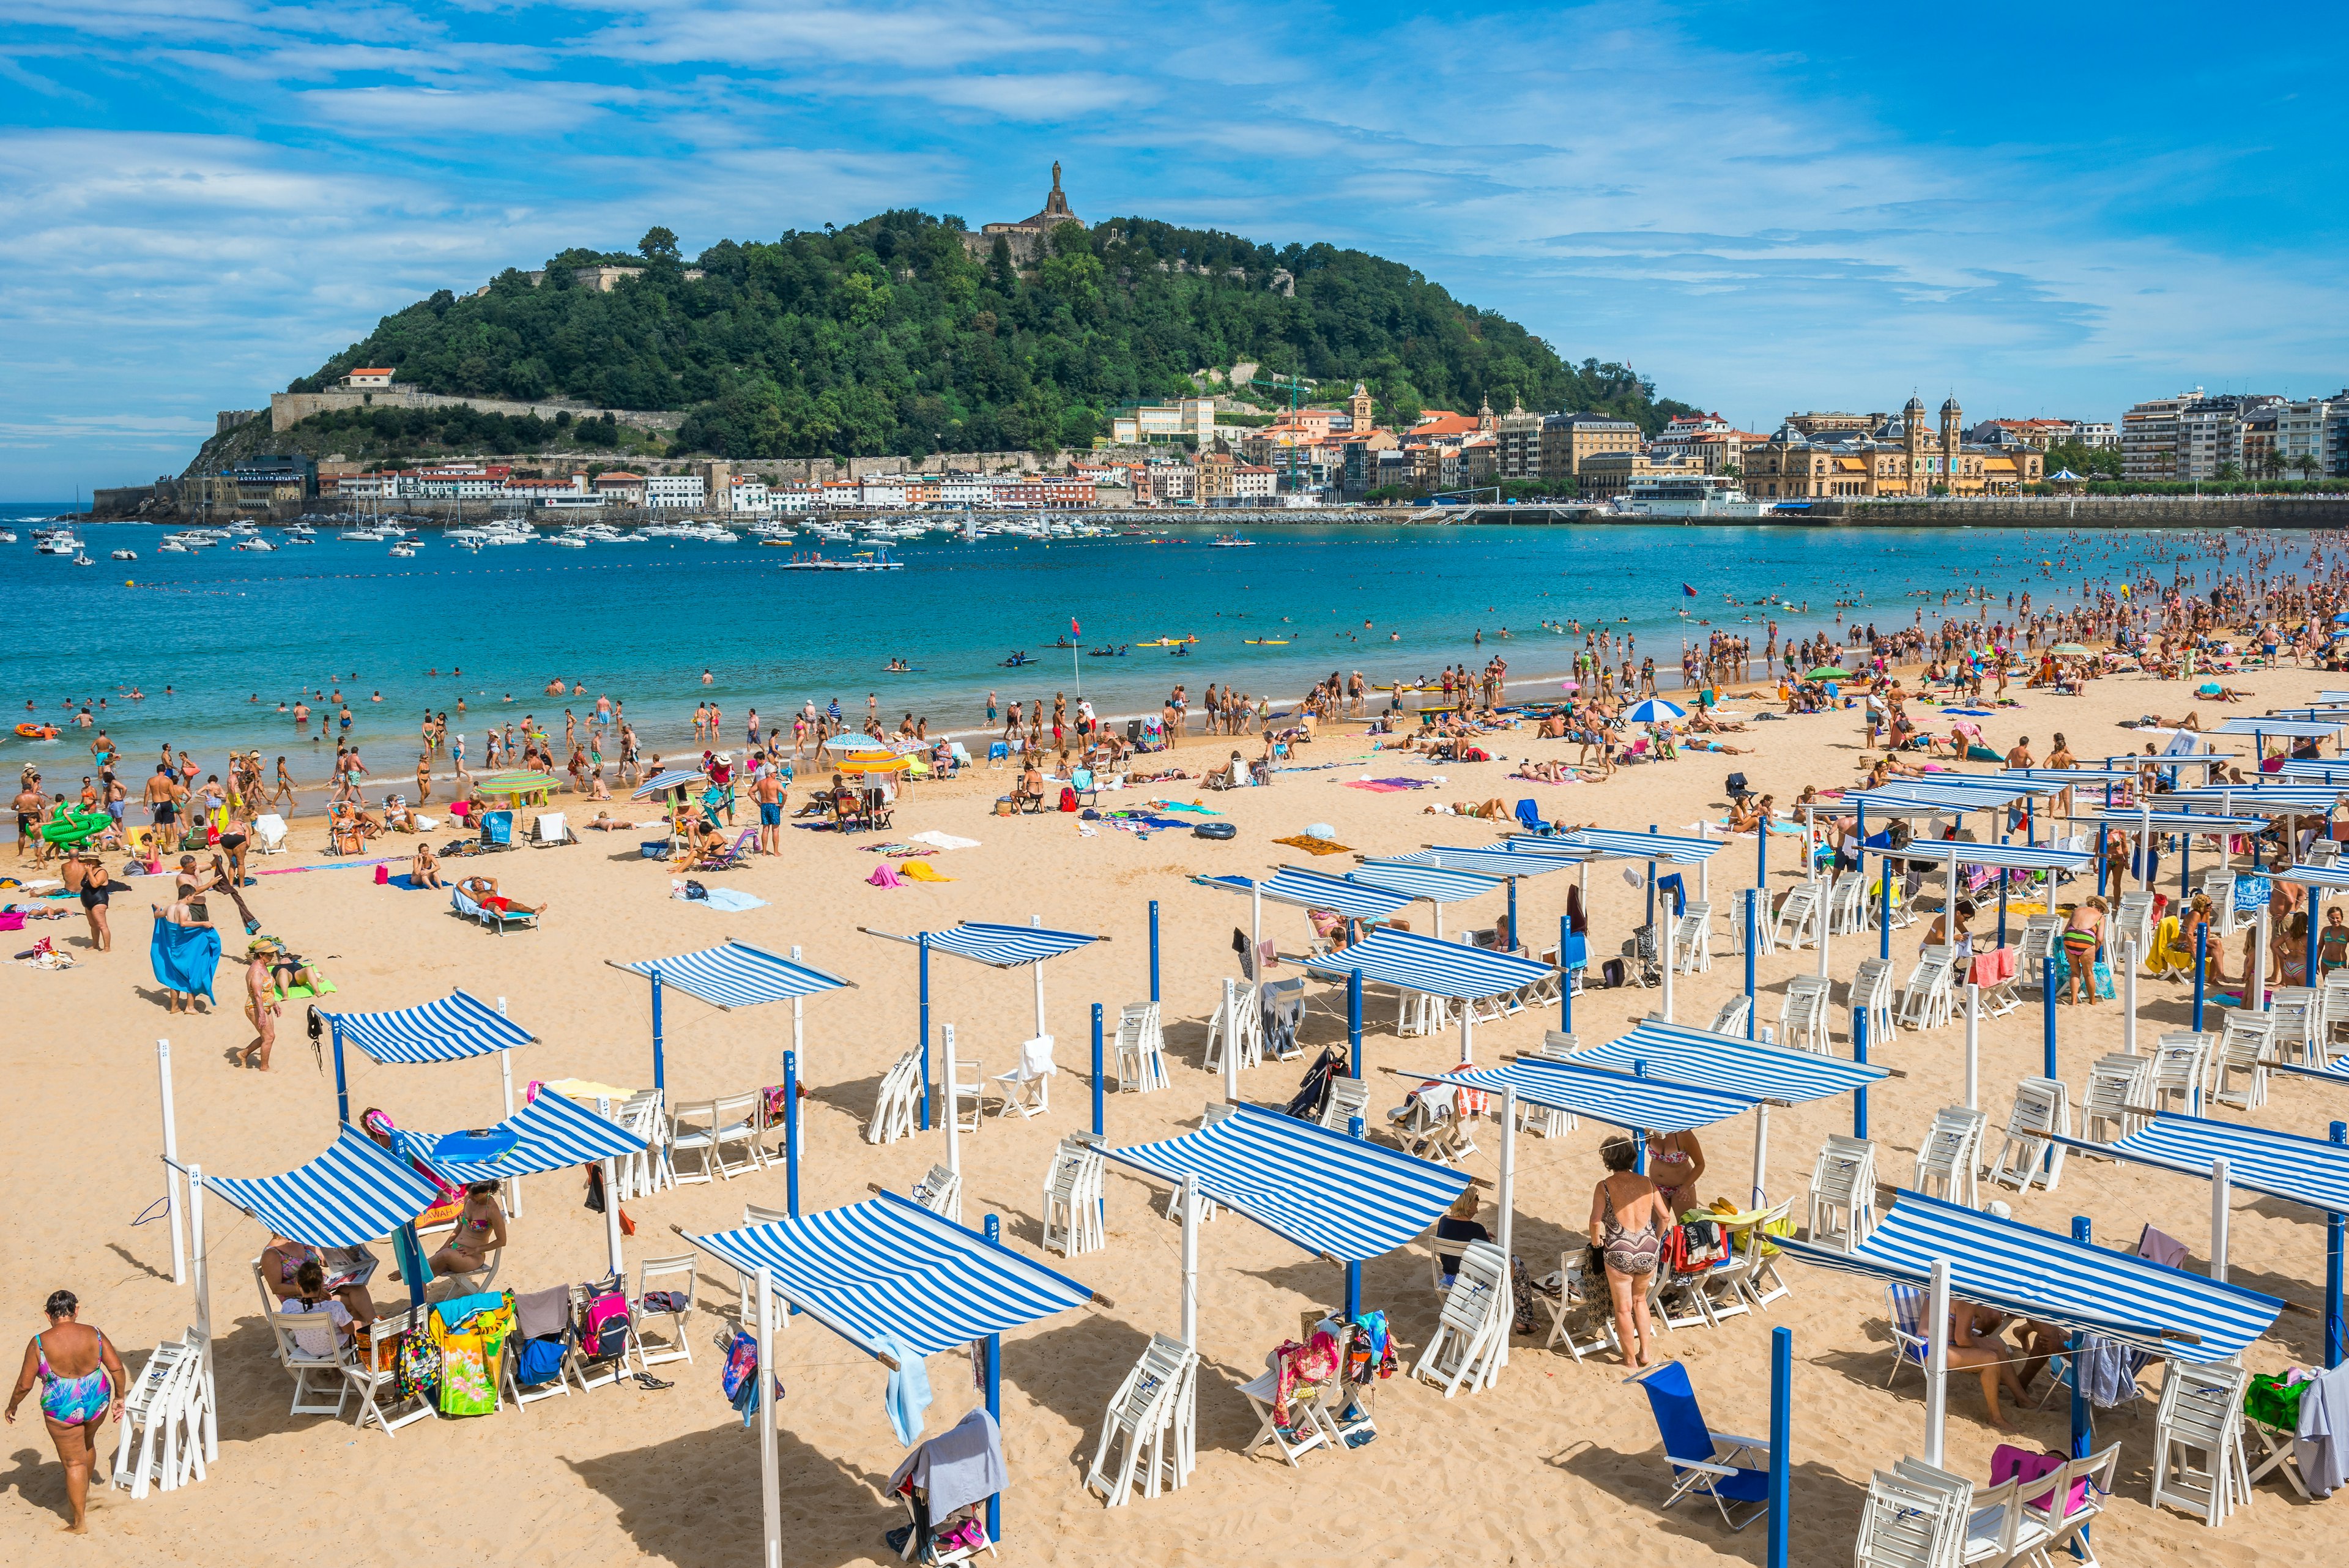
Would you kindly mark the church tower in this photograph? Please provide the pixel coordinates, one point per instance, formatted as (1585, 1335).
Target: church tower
(1912, 443)
(1951, 419)
(1484, 414)
(1359, 410)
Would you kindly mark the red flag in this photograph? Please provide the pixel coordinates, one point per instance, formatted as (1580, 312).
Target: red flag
(1074, 630)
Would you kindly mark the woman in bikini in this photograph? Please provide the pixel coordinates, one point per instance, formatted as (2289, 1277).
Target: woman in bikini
(82, 1383)
(1628, 1220)
(2084, 942)
(481, 1231)
(1675, 1160)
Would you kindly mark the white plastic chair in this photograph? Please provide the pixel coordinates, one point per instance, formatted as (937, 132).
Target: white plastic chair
(1731, 1020)
(2040, 935)
(1925, 1002)
(1028, 1089)
(1907, 1523)
(1802, 1014)
(693, 1136)
(1141, 1056)
(1348, 1098)
(1843, 1193)
(2197, 1439)
(676, 1343)
(2219, 883)
(1949, 1159)
(269, 834)
(895, 1104)
(1141, 1416)
(940, 1193)
(2246, 1043)
(1912, 1344)
(1693, 939)
(740, 1123)
(2116, 1083)
(2293, 1013)
(1848, 911)
(1246, 1021)
(746, 1285)
(1871, 993)
(1474, 1326)
(2041, 1107)
(649, 1169)
(1796, 925)
(336, 1366)
(159, 1442)
(1312, 1429)
(2181, 1067)
(1072, 1201)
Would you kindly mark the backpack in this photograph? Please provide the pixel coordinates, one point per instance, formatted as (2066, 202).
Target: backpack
(1612, 974)
(1068, 798)
(604, 1326)
(417, 1370)
(539, 1361)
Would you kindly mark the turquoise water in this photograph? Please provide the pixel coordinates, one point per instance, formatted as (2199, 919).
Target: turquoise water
(644, 621)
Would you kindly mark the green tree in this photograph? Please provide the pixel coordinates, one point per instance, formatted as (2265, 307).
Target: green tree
(658, 245)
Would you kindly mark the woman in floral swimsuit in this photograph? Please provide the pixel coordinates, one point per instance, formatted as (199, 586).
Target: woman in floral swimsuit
(82, 1382)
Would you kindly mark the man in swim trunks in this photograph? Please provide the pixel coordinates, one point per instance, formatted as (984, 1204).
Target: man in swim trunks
(768, 791)
(29, 803)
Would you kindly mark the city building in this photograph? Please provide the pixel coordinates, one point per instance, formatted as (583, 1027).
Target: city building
(676, 491)
(1517, 444)
(1682, 430)
(1898, 457)
(1145, 423)
(1361, 411)
(1254, 485)
(2312, 437)
(1568, 440)
(621, 488)
(1819, 423)
(2194, 437)
(375, 380)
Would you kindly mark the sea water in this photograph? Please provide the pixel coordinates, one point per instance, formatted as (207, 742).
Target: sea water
(217, 639)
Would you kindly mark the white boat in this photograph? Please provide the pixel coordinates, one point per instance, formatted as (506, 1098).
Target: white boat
(126, 555)
(7, 536)
(252, 542)
(403, 551)
(60, 544)
(84, 561)
(365, 535)
(1708, 496)
(171, 547)
(569, 541)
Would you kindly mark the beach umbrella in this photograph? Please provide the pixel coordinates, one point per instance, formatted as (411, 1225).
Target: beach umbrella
(1655, 711)
(874, 762)
(2340, 618)
(516, 782)
(1827, 672)
(2069, 650)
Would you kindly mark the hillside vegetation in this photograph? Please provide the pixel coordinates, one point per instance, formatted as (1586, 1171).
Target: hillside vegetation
(888, 338)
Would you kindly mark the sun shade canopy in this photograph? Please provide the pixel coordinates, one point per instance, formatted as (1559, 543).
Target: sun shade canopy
(1439, 968)
(1606, 844)
(1999, 856)
(1486, 862)
(662, 783)
(735, 974)
(551, 1133)
(2275, 799)
(2323, 770)
(2300, 729)
(450, 1030)
(1920, 799)
(1711, 1061)
(2183, 821)
(2281, 1165)
(1328, 1193)
(1435, 884)
(2334, 879)
(2021, 1269)
(2068, 778)
(352, 1194)
(1622, 1099)
(1312, 890)
(1004, 947)
(888, 1272)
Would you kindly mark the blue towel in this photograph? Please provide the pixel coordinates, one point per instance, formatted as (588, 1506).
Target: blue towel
(185, 957)
(908, 1395)
(732, 900)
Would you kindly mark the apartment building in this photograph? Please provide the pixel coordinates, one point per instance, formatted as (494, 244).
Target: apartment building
(676, 491)
(1568, 440)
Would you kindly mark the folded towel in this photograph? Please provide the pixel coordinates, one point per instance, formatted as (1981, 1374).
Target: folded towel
(918, 871)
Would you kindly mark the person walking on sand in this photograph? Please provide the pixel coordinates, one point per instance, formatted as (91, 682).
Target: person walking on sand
(1627, 1223)
(82, 1384)
(768, 791)
(260, 1004)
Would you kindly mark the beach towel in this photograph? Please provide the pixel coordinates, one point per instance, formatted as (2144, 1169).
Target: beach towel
(1193, 806)
(184, 957)
(937, 840)
(1313, 846)
(919, 871)
(886, 876)
(304, 993)
(908, 1394)
(733, 900)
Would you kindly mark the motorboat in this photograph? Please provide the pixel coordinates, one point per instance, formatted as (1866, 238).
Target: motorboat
(126, 555)
(252, 542)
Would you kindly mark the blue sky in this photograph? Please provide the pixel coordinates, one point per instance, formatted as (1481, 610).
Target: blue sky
(1761, 207)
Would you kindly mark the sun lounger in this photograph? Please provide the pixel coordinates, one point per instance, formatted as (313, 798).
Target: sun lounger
(1722, 1466)
(492, 920)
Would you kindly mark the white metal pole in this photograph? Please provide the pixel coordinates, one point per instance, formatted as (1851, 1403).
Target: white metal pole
(612, 1220)
(953, 1120)
(1665, 918)
(505, 1081)
(2128, 997)
(203, 1310)
(172, 1164)
(770, 1472)
(1936, 1360)
(1439, 917)
(1826, 919)
(1256, 929)
(1761, 1156)
(1467, 1029)
(1973, 1046)
(1191, 1262)
(1509, 1190)
(1231, 1043)
(799, 1023)
(2255, 971)
(2218, 1200)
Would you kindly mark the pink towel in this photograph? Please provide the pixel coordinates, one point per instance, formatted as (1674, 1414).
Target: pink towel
(886, 876)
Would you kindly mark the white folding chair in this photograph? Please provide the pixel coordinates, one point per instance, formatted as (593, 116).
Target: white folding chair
(1348, 1098)
(1925, 1002)
(1871, 993)
(2033, 948)
(676, 1343)
(2245, 1046)
(1474, 1326)
(2181, 1068)
(2218, 884)
(940, 1193)
(1141, 1416)
(2043, 1106)
(1429, 1126)
(1848, 911)
(1141, 1059)
(1802, 1014)
(269, 834)
(1028, 1089)
(1072, 1200)
(895, 1105)
(1843, 1193)
(1311, 1427)
(1246, 1021)
(1576, 1298)
(1911, 1342)
(649, 1169)
(1693, 939)
(2120, 1088)
(2332, 1013)
(739, 1122)
(693, 1143)
(1950, 1157)
(2197, 1439)
(157, 1442)
(1794, 926)
(1731, 1020)
(2292, 1015)
(2132, 922)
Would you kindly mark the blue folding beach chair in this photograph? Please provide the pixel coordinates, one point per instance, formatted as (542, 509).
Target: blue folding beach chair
(1529, 818)
(1704, 1461)
(497, 828)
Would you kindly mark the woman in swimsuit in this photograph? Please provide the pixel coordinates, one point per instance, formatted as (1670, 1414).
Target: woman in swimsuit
(82, 1383)
(2083, 943)
(481, 1231)
(1675, 1160)
(1628, 1219)
(280, 1272)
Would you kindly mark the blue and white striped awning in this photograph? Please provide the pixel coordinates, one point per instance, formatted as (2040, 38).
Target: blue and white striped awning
(1004, 947)
(2001, 856)
(1430, 964)
(1915, 797)
(1620, 1098)
(2321, 770)
(450, 1030)
(1609, 844)
(1486, 862)
(669, 779)
(2068, 778)
(2182, 821)
(2021, 1269)
(2275, 799)
(2298, 729)
(1312, 890)
(735, 974)
(888, 1272)
(2334, 879)
(2282, 1165)
(1433, 883)
(551, 1133)
(1329, 1194)
(1744, 1068)
(352, 1194)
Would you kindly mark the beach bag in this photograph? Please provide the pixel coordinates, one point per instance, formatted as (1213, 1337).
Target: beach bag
(2273, 1403)
(1613, 974)
(539, 1361)
(604, 1326)
(741, 1366)
(1068, 798)
(416, 1367)
(2008, 1462)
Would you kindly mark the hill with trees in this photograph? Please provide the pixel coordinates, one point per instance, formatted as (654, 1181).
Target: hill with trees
(889, 336)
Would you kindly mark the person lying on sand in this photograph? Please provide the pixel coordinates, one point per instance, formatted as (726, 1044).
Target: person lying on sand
(607, 822)
(1545, 773)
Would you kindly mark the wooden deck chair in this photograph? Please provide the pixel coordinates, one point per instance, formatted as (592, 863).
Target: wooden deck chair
(2198, 1446)
(1871, 993)
(1140, 1063)
(1667, 1285)
(1575, 1299)
(2041, 1107)
(1693, 939)
(1428, 1125)
(2245, 1046)
(940, 1193)
(1141, 1422)
(2181, 1067)
(1802, 1014)
(1843, 1193)
(1925, 999)
(2293, 1009)
(269, 834)
(1905, 1524)
(1913, 1343)
(1348, 1098)
(1796, 925)
(1028, 1089)
(1311, 1429)
(676, 1341)
(1731, 1020)
(1759, 1282)
(1949, 1159)
(1474, 1327)
(898, 1101)
(2116, 1083)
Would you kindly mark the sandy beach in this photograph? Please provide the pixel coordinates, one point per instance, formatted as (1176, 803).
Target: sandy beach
(1557, 1461)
